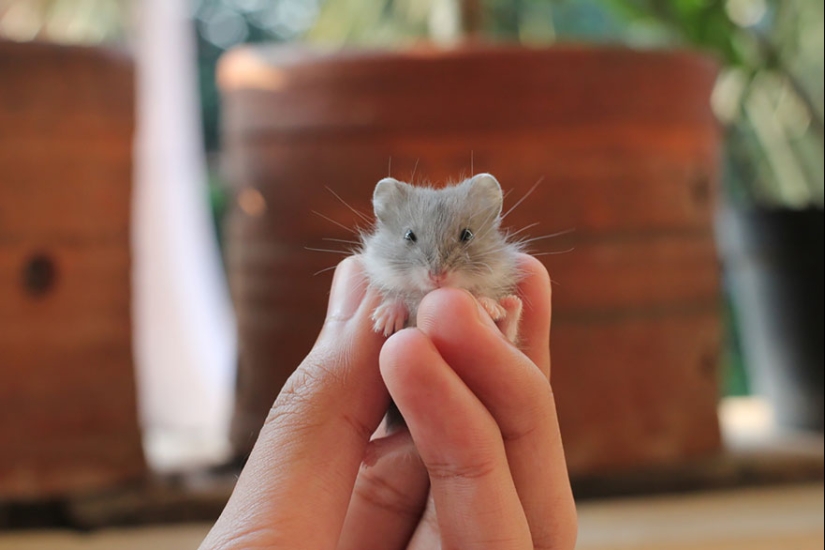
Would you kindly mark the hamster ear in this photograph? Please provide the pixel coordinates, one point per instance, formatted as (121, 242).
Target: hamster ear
(486, 189)
(388, 193)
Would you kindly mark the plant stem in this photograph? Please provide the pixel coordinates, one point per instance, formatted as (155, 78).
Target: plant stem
(471, 17)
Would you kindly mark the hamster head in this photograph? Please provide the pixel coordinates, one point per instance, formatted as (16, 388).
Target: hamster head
(428, 238)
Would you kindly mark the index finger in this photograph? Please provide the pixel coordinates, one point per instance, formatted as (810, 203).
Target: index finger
(517, 394)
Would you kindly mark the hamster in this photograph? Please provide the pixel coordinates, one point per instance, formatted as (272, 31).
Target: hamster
(426, 238)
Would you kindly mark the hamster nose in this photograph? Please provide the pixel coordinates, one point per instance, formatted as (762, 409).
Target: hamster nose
(437, 277)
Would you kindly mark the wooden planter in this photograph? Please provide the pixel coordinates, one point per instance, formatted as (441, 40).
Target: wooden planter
(627, 148)
(67, 398)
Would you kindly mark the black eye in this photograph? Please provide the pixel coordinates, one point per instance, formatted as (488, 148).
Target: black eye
(466, 236)
(409, 236)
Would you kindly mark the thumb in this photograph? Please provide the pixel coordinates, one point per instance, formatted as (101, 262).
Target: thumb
(308, 453)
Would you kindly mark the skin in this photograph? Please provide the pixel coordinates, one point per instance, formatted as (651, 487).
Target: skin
(480, 467)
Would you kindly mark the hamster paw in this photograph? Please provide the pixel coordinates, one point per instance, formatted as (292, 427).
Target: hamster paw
(509, 326)
(389, 317)
(496, 311)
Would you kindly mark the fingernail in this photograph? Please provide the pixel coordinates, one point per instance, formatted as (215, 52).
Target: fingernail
(348, 289)
(396, 444)
(483, 316)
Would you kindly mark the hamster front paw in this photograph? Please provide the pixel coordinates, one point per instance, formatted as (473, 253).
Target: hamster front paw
(389, 317)
(496, 310)
(509, 326)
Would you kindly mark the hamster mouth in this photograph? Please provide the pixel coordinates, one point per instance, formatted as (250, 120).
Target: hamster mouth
(440, 279)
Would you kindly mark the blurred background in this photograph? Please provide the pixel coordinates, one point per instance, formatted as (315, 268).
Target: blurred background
(158, 196)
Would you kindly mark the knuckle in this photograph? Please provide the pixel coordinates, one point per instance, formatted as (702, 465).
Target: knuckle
(303, 402)
(525, 430)
(292, 410)
(358, 427)
(470, 470)
(529, 419)
(379, 492)
(300, 401)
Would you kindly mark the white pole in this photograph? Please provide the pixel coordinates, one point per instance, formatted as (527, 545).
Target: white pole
(183, 323)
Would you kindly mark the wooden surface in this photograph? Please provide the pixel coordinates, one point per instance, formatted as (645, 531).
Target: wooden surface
(751, 519)
(765, 519)
(756, 454)
(626, 148)
(67, 398)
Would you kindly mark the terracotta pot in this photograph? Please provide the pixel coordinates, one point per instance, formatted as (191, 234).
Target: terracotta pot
(626, 147)
(67, 384)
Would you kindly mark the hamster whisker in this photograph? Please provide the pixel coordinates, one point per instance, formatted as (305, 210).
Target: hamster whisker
(330, 268)
(342, 226)
(345, 203)
(415, 167)
(343, 252)
(548, 236)
(522, 199)
(485, 265)
(523, 229)
(357, 243)
(555, 252)
(500, 248)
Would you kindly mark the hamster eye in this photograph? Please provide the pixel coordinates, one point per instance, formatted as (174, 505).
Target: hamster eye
(409, 236)
(466, 236)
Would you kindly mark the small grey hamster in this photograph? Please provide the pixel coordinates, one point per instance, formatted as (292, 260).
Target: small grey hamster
(426, 238)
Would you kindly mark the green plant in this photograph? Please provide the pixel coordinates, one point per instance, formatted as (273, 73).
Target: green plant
(67, 21)
(769, 94)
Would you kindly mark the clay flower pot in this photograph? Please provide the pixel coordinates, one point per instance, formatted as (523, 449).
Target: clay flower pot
(67, 382)
(626, 147)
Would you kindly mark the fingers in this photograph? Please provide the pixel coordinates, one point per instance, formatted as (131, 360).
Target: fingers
(516, 393)
(534, 331)
(389, 496)
(294, 492)
(427, 535)
(460, 444)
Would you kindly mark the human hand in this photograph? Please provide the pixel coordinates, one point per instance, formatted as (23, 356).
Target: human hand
(482, 463)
